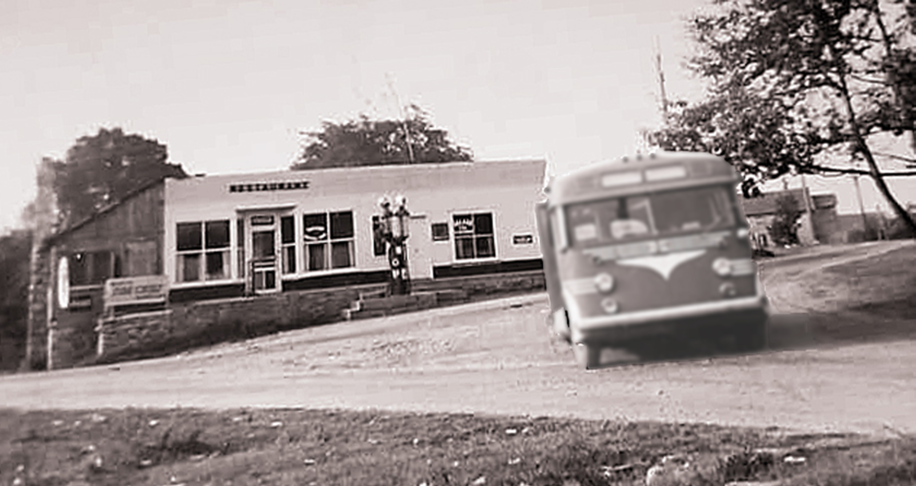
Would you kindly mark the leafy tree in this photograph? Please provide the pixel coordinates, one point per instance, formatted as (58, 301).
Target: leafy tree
(784, 227)
(14, 294)
(793, 82)
(103, 168)
(379, 142)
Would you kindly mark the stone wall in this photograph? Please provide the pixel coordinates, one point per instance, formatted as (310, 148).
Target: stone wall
(39, 284)
(195, 324)
(185, 326)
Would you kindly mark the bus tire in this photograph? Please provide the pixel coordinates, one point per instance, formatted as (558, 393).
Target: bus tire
(587, 355)
(560, 324)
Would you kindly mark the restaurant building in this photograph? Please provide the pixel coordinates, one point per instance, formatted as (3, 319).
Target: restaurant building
(174, 256)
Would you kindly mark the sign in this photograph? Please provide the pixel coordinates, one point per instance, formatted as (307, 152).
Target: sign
(523, 239)
(63, 283)
(149, 289)
(269, 186)
(262, 220)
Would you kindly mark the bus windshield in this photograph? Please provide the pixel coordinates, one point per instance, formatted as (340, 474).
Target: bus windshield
(618, 219)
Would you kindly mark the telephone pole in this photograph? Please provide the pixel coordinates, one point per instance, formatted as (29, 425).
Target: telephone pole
(661, 80)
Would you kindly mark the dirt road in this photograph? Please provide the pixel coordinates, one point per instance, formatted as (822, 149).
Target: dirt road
(497, 357)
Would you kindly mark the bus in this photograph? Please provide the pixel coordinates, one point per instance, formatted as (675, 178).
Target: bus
(647, 246)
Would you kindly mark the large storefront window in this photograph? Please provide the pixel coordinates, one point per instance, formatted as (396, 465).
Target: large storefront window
(474, 237)
(93, 268)
(328, 240)
(203, 251)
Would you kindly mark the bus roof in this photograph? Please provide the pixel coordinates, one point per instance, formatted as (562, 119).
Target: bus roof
(631, 175)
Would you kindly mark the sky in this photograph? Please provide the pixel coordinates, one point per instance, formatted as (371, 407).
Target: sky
(228, 86)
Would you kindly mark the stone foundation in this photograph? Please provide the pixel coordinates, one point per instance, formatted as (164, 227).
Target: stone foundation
(186, 326)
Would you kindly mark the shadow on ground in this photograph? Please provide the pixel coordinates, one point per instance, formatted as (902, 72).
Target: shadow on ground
(869, 324)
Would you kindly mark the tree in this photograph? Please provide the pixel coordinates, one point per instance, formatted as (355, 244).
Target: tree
(784, 227)
(14, 295)
(795, 81)
(379, 142)
(102, 169)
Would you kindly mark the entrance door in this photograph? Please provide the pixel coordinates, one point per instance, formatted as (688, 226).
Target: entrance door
(264, 264)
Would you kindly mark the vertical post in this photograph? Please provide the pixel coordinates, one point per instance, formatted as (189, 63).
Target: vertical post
(855, 178)
(808, 211)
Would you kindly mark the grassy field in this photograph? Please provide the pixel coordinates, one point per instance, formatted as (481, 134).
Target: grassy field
(303, 447)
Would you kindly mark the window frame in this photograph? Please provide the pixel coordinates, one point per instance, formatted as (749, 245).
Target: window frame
(203, 253)
(327, 242)
(475, 237)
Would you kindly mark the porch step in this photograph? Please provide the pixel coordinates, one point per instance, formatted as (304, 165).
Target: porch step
(395, 304)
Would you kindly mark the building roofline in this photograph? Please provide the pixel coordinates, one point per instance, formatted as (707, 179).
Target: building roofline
(104, 210)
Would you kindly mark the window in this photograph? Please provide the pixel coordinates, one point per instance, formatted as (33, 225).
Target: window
(440, 231)
(93, 268)
(288, 242)
(328, 240)
(473, 236)
(648, 216)
(378, 241)
(203, 251)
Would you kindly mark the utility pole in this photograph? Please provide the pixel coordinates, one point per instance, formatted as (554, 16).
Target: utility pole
(808, 211)
(661, 80)
(397, 100)
(855, 178)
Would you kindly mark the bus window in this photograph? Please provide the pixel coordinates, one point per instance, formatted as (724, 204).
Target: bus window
(692, 210)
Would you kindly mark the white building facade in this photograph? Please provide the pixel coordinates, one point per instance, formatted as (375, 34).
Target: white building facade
(229, 235)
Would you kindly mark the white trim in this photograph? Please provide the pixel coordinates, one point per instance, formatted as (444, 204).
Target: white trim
(586, 324)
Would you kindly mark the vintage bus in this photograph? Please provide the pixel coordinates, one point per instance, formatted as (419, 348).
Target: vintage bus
(646, 246)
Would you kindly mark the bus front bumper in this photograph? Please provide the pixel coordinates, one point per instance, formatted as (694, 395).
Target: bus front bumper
(669, 320)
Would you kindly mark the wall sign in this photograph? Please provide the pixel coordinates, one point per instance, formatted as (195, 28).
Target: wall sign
(63, 283)
(262, 220)
(269, 186)
(136, 290)
(523, 239)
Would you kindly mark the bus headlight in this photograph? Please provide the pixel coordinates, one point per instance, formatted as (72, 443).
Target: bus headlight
(609, 305)
(604, 282)
(722, 267)
(728, 289)
(742, 233)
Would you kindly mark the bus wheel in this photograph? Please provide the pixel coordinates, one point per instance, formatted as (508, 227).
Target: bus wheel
(588, 356)
(560, 323)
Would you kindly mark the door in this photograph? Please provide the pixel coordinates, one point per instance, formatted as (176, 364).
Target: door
(263, 263)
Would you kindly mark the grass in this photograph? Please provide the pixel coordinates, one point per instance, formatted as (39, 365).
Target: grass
(302, 447)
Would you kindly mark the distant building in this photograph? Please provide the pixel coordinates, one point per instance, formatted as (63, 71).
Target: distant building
(818, 223)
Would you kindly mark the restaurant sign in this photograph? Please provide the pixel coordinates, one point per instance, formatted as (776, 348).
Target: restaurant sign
(269, 186)
(148, 289)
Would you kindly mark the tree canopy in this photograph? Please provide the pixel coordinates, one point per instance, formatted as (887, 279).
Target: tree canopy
(103, 168)
(801, 86)
(379, 142)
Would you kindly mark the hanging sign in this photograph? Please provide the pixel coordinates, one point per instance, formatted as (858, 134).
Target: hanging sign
(63, 283)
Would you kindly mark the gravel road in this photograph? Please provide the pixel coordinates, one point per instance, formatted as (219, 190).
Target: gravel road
(497, 357)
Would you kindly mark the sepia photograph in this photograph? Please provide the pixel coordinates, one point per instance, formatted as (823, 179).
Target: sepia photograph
(492, 242)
